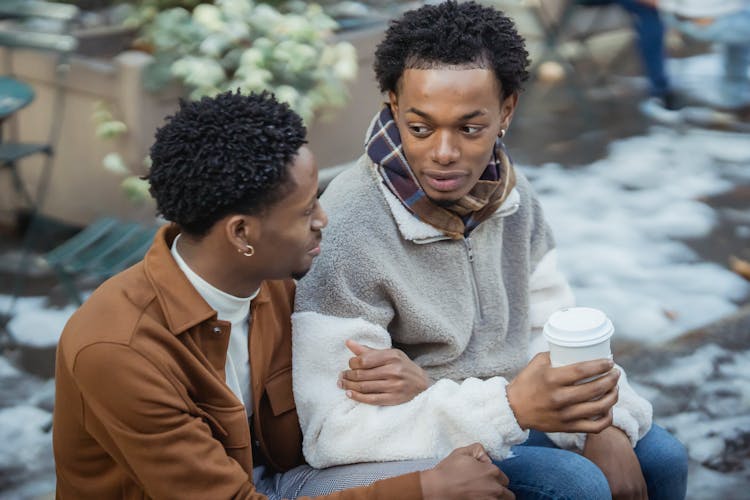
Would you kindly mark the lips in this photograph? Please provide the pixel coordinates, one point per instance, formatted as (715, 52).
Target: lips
(444, 181)
(315, 251)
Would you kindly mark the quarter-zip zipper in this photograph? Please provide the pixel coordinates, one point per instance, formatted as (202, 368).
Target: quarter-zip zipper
(473, 276)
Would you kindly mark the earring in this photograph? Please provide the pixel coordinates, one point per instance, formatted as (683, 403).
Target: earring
(502, 133)
(250, 251)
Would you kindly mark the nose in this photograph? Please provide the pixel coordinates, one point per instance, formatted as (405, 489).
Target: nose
(320, 220)
(445, 150)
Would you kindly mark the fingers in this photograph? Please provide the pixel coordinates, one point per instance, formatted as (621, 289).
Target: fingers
(591, 409)
(503, 478)
(376, 399)
(372, 386)
(570, 374)
(598, 387)
(469, 450)
(590, 426)
(575, 394)
(369, 358)
(474, 450)
(356, 347)
(363, 374)
(478, 452)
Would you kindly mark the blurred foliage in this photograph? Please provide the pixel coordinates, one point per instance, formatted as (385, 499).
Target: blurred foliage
(252, 46)
(158, 4)
(108, 128)
(211, 47)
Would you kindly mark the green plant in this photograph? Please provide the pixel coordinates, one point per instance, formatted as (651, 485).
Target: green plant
(252, 46)
(143, 12)
(235, 44)
(108, 128)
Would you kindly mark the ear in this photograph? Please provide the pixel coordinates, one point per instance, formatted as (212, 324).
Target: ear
(393, 101)
(507, 108)
(241, 231)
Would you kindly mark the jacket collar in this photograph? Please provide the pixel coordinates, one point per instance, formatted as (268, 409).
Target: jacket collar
(183, 306)
(414, 230)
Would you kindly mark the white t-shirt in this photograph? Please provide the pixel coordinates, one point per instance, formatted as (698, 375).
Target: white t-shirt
(235, 310)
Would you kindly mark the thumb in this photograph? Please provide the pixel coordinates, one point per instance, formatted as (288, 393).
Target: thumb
(478, 452)
(357, 348)
(475, 451)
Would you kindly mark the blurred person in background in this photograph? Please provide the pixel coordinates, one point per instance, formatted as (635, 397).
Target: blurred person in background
(650, 32)
(725, 22)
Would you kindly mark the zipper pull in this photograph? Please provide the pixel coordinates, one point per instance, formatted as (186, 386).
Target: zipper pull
(469, 249)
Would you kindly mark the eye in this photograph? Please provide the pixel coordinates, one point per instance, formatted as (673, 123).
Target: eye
(419, 130)
(471, 129)
(311, 208)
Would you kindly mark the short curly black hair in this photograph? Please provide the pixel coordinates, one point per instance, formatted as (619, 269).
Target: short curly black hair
(453, 34)
(223, 155)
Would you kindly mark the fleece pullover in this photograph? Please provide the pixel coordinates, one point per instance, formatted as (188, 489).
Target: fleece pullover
(468, 311)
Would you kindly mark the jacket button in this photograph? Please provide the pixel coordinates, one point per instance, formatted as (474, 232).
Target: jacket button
(217, 330)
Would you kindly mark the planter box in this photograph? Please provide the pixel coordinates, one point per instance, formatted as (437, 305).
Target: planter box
(80, 188)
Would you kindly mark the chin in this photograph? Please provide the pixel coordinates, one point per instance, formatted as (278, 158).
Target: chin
(446, 200)
(299, 274)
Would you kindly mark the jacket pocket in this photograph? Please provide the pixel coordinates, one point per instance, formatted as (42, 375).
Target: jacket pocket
(228, 424)
(279, 392)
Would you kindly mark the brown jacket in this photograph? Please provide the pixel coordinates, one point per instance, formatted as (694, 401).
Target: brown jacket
(142, 409)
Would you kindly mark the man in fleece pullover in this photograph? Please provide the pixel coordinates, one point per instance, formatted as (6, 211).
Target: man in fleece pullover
(437, 250)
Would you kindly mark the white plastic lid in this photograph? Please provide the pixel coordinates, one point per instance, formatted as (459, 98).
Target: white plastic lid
(578, 327)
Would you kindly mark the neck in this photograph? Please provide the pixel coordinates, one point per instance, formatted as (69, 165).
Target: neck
(214, 265)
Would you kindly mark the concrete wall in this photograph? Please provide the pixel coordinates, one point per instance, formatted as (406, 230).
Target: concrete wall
(80, 188)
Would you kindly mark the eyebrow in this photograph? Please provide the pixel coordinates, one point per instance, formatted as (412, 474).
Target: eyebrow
(467, 116)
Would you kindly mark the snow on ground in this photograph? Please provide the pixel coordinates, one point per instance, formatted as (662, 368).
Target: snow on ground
(703, 397)
(26, 465)
(35, 324)
(618, 224)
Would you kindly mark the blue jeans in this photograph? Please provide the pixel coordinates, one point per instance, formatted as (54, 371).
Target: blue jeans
(540, 470)
(650, 31)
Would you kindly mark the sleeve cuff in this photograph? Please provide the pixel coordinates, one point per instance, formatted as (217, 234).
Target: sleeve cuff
(408, 486)
(568, 440)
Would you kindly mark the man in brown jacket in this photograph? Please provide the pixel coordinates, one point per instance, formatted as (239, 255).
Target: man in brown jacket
(158, 372)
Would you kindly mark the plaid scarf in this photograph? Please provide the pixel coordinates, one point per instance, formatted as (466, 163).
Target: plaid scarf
(456, 221)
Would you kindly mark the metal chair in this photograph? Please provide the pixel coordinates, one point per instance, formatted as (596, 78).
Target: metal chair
(17, 31)
(16, 94)
(102, 249)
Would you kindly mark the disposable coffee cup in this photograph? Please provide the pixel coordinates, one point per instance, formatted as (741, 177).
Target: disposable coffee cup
(578, 334)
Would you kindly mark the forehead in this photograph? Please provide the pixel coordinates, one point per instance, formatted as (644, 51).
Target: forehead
(449, 88)
(303, 178)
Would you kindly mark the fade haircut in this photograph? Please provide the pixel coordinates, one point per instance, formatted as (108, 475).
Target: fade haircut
(223, 155)
(461, 35)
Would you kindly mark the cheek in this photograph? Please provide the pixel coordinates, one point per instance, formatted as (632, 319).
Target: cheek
(413, 150)
(484, 148)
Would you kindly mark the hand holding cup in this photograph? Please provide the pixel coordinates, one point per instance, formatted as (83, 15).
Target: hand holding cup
(574, 386)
